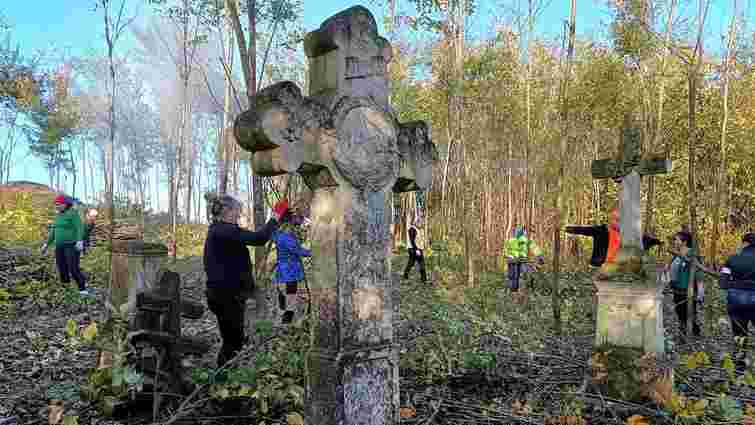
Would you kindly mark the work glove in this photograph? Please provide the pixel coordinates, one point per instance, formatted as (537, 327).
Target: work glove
(80, 246)
(280, 208)
(43, 250)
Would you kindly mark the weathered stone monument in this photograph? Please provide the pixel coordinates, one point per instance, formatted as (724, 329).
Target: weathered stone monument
(630, 310)
(151, 298)
(352, 152)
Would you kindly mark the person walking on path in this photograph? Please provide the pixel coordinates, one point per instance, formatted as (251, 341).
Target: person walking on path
(289, 270)
(229, 268)
(67, 235)
(416, 255)
(518, 251)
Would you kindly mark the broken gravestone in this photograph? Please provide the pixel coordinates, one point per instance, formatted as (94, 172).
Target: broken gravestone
(630, 300)
(151, 298)
(352, 153)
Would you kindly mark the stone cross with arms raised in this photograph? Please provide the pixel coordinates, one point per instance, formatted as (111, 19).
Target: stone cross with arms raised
(627, 168)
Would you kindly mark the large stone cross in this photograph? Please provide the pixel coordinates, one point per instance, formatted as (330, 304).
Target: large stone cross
(352, 153)
(627, 168)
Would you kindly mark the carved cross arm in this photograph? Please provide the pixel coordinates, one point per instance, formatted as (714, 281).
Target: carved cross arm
(417, 155)
(284, 132)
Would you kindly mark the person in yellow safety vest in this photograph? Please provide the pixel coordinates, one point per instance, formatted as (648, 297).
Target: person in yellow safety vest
(518, 251)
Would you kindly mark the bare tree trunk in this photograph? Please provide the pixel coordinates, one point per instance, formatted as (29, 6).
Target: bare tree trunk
(657, 133)
(528, 99)
(721, 174)
(556, 299)
(693, 77)
(224, 139)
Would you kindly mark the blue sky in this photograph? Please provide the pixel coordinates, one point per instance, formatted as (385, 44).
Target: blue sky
(74, 27)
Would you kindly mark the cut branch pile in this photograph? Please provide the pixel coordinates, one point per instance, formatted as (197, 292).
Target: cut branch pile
(18, 265)
(121, 231)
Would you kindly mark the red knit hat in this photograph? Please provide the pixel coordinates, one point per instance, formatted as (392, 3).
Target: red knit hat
(60, 200)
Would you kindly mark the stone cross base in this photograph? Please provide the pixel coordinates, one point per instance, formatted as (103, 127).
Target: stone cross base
(629, 336)
(630, 314)
(135, 268)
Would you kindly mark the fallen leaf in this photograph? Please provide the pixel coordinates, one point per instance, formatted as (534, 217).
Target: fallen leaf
(637, 420)
(56, 412)
(295, 419)
(90, 332)
(698, 407)
(71, 420)
(71, 328)
(105, 360)
(407, 412)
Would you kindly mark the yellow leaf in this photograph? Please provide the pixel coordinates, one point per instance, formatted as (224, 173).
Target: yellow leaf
(676, 403)
(71, 328)
(295, 419)
(245, 391)
(703, 358)
(698, 407)
(90, 332)
(407, 412)
(727, 362)
(71, 420)
(690, 362)
(637, 420)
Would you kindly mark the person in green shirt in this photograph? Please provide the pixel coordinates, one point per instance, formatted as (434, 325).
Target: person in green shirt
(679, 272)
(67, 235)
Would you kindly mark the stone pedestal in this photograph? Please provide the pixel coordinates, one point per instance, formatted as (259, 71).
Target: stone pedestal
(630, 313)
(135, 269)
(629, 337)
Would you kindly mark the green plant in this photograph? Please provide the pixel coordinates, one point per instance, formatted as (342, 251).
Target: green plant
(24, 220)
(726, 409)
(117, 380)
(66, 391)
(4, 296)
(274, 379)
(479, 360)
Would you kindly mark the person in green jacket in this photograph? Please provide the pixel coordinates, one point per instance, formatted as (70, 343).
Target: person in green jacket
(518, 251)
(679, 277)
(67, 235)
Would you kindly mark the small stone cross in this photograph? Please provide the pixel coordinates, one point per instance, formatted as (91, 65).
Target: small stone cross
(627, 168)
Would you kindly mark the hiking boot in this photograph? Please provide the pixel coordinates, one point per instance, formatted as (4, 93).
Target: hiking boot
(288, 317)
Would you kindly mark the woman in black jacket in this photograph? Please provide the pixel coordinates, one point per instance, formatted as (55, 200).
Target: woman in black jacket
(229, 268)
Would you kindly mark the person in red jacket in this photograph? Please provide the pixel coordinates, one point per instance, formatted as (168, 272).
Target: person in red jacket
(607, 239)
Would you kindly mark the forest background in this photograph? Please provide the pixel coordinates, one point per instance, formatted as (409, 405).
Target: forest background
(519, 104)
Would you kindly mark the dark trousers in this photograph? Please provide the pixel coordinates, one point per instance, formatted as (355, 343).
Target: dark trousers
(67, 258)
(415, 256)
(680, 306)
(514, 274)
(229, 307)
(741, 308)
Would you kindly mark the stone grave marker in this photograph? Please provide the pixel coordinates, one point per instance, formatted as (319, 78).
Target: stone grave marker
(352, 153)
(630, 300)
(151, 297)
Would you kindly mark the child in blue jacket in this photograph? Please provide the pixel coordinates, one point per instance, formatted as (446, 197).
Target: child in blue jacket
(289, 269)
